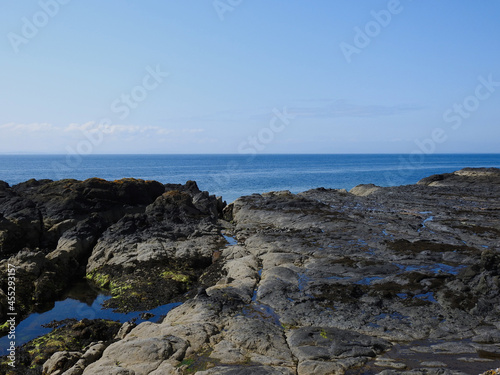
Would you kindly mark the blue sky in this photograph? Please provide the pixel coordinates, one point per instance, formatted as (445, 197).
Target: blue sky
(241, 76)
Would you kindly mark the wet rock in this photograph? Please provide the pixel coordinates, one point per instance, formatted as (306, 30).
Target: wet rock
(314, 343)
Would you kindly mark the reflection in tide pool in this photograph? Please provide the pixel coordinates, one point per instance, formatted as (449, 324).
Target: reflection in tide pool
(231, 241)
(71, 308)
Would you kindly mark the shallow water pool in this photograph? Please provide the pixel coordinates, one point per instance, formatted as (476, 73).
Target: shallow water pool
(81, 302)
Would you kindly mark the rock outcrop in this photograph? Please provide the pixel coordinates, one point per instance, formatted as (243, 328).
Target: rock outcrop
(159, 253)
(382, 280)
(56, 232)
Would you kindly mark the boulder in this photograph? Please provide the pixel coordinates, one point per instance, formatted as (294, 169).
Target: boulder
(60, 362)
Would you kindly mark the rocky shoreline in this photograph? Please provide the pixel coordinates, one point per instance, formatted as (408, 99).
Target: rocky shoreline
(382, 280)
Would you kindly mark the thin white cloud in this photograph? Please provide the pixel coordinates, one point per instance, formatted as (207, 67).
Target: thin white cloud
(307, 109)
(29, 128)
(44, 137)
(93, 127)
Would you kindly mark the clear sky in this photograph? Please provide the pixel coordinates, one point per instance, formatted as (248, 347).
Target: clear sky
(247, 76)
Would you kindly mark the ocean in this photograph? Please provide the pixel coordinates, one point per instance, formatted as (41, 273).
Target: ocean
(232, 176)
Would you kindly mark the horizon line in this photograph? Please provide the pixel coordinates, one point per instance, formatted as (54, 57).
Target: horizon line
(242, 155)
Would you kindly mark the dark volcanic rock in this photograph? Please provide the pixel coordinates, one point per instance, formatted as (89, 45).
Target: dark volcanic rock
(50, 229)
(175, 238)
(465, 178)
(35, 213)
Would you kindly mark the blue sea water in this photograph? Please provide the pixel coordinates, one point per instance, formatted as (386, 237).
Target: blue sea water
(232, 176)
(70, 308)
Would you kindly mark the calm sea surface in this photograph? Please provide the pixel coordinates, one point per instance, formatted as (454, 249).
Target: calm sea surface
(232, 176)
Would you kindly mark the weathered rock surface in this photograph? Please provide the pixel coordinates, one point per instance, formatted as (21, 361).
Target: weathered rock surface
(158, 254)
(115, 232)
(389, 280)
(399, 280)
